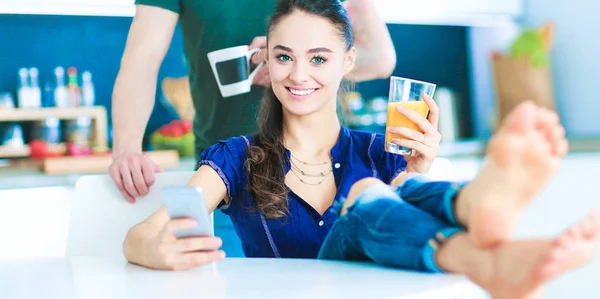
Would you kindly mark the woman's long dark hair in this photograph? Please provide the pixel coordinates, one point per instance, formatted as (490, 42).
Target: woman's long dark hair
(265, 158)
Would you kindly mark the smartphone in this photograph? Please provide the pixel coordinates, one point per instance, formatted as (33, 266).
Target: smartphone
(188, 202)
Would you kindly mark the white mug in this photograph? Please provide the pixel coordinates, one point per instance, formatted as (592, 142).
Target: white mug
(231, 68)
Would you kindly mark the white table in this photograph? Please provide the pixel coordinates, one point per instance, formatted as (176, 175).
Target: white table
(102, 278)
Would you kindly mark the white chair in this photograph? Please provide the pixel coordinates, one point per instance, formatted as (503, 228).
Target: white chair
(100, 217)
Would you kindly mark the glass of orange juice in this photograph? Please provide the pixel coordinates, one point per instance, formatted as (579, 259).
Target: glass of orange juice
(408, 93)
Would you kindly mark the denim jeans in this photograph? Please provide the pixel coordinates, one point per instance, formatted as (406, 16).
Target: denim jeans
(396, 227)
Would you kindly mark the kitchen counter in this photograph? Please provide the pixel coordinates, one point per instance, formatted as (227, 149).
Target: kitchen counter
(465, 153)
(477, 147)
(16, 178)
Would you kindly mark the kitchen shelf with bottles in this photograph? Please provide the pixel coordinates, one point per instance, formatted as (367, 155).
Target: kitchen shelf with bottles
(67, 131)
(97, 114)
(426, 12)
(41, 111)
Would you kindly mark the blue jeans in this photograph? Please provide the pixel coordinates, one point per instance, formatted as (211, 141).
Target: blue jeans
(396, 227)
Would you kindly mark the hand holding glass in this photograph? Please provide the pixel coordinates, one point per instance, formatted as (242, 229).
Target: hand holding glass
(409, 94)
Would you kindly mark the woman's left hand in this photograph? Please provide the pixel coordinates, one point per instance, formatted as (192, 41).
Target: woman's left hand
(425, 145)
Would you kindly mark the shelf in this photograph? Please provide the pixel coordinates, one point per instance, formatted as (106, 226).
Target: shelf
(13, 152)
(97, 114)
(24, 151)
(483, 13)
(45, 113)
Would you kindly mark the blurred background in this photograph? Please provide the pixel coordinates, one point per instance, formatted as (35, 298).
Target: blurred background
(75, 47)
(59, 60)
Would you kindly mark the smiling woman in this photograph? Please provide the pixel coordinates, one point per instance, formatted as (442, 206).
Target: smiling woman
(307, 187)
(311, 49)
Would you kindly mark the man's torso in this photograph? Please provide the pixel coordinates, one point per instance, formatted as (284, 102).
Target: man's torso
(213, 25)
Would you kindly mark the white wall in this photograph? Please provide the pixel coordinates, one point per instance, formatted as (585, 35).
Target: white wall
(576, 59)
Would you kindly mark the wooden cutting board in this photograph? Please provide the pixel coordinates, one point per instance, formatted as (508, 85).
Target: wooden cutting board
(100, 163)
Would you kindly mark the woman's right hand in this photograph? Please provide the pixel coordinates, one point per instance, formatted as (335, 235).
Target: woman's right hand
(172, 253)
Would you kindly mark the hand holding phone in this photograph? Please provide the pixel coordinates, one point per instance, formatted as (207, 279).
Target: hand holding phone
(188, 202)
(186, 241)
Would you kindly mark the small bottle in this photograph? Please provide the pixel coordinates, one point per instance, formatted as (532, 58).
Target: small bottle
(73, 87)
(6, 101)
(35, 91)
(14, 137)
(48, 96)
(61, 95)
(87, 90)
(24, 89)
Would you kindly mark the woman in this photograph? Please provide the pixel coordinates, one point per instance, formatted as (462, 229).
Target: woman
(306, 187)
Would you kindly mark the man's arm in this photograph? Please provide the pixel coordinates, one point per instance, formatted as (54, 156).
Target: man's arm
(133, 97)
(375, 53)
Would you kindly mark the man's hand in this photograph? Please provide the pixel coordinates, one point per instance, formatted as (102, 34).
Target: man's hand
(133, 174)
(262, 76)
(133, 98)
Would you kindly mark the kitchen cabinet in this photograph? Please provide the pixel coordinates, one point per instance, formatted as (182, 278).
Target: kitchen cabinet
(118, 8)
(434, 12)
(450, 12)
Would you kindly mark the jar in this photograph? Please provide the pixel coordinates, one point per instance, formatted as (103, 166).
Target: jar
(48, 130)
(79, 131)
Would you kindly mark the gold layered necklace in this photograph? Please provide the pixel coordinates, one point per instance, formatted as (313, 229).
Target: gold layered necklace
(303, 175)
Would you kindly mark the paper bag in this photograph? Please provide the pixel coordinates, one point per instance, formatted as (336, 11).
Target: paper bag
(516, 81)
(178, 94)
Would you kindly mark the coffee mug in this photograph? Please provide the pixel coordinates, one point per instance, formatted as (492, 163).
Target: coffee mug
(231, 67)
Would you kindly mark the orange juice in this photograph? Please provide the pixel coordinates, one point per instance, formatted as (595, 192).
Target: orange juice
(397, 119)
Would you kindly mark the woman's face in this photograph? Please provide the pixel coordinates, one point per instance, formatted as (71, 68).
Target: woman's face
(307, 61)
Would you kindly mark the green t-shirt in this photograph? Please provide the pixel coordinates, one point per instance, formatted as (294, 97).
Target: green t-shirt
(209, 25)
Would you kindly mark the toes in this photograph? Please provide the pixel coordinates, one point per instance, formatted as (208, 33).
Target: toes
(558, 133)
(596, 224)
(561, 149)
(551, 116)
(584, 230)
(521, 118)
(561, 260)
(557, 254)
(547, 270)
(574, 233)
(555, 260)
(570, 250)
(557, 138)
(580, 229)
(548, 122)
(587, 229)
(566, 238)
(591, 227)
(546, 117)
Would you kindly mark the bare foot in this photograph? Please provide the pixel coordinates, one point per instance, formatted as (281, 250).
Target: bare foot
(519, 269)
(572, 249)
(521, 158)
